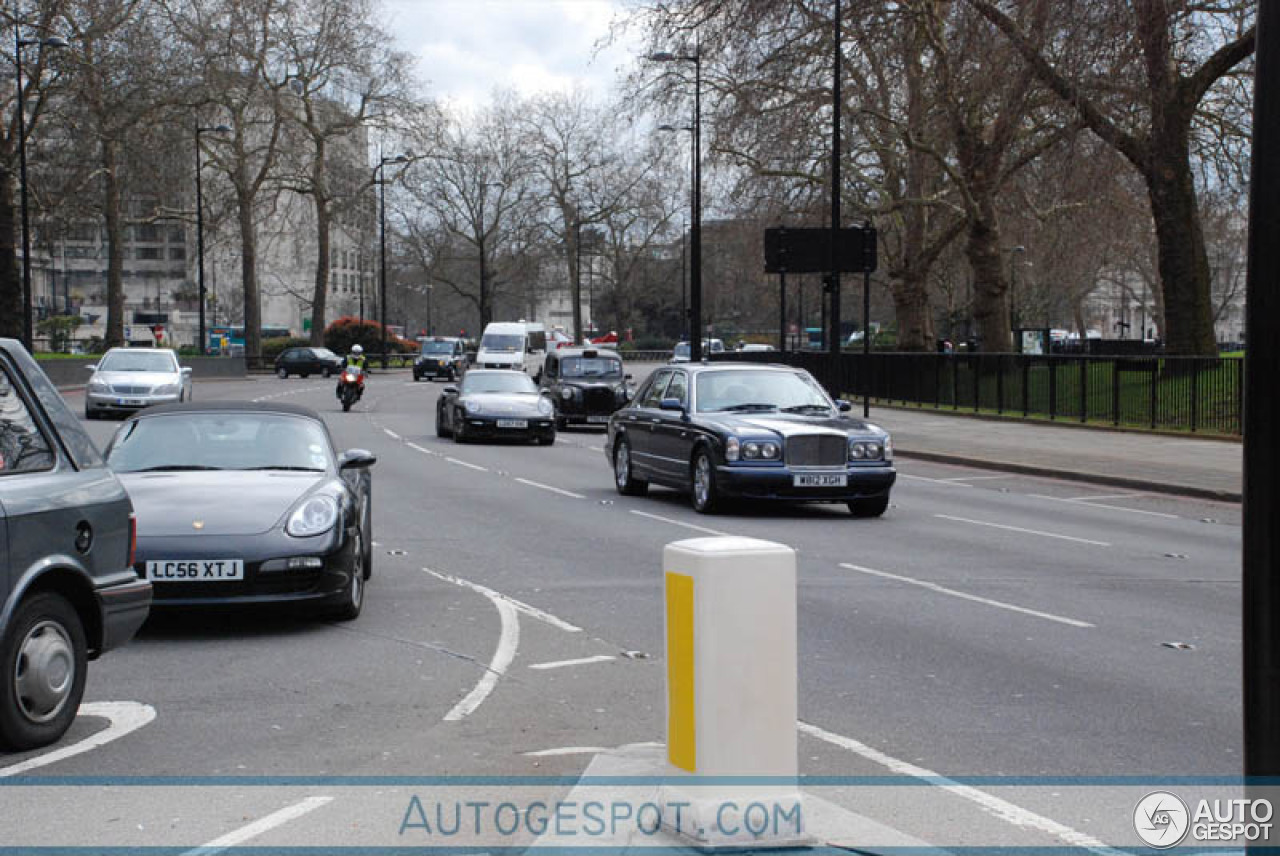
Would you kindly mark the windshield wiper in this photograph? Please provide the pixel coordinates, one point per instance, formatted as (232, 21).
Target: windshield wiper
(750, 405)
(805, 408)
(174, 468)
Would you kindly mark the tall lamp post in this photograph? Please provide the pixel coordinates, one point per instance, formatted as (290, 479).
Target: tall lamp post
(695, 223)
(684, 308)
(382, 241)
(202, 341)
(19, 43)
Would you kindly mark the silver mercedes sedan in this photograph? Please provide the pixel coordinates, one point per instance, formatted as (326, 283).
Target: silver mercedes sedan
(129, 379)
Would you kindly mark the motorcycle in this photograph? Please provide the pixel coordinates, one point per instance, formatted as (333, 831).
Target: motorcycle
(350, 386)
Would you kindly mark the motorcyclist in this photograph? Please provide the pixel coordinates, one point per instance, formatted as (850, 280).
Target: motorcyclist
(355, 359)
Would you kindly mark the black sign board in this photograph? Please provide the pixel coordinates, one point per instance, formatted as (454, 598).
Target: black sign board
(792, 250)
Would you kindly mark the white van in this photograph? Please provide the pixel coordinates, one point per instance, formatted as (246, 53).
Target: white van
(518, 345)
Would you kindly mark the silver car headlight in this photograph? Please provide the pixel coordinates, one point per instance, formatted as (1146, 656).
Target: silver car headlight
(96, 385)
(545, 407)
(318, 514)
(167, 389)
(472, 407)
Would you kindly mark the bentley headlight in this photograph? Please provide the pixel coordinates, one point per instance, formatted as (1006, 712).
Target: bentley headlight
(318, 514)
(888, 448)
(864, 450)
(732, 449)
(770, 451)
(545, 407)
(566, 393)
(472, 406)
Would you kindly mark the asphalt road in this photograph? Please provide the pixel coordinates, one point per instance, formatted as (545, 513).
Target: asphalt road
(987, 625)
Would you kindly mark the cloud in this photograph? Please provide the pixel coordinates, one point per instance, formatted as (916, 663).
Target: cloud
(467, 48)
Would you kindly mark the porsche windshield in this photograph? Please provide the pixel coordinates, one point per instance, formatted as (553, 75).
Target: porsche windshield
(220, 441)
(744, 390)
(502, 381)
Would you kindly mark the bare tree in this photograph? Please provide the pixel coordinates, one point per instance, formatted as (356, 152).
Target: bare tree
(1136, 74)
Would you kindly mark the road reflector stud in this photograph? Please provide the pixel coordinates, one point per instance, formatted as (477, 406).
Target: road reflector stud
(732, 691)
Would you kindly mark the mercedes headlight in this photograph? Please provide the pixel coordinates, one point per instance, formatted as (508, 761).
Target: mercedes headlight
(97, 385)
(545, 407)
(167, 389)
(318, 514)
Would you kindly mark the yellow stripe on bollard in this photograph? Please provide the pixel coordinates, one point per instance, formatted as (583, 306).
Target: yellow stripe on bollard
(682, 745)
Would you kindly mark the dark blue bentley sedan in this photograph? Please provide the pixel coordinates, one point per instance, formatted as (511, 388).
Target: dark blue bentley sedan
(721, 430)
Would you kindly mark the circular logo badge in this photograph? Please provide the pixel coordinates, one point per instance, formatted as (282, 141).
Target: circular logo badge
(1161, 820)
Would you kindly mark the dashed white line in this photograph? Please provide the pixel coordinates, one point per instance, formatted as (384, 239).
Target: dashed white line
(558, 490)
(993, 805)
(258, 827)
(977, 478)
(393, 435)
(467, 464)
(933, 481)
(566, 750)
(999, 604)
(125, 717)
(424, 451)
(531, 611)
(680, 523)
(581, 661)
(1108, 507)
(1105, 496)
(1021, 530)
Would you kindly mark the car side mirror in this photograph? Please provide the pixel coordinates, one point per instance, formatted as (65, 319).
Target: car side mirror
(356, 459)
(449, 390)
(93, 367)
(671, 404)
(844, 406)
(186, 370)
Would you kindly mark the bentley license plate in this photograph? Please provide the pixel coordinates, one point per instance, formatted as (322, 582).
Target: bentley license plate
(820, 480)
(195, 570)
(513, 423)
(598, 419)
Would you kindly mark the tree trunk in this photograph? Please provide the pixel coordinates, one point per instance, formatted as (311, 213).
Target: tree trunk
(990, 289)
(912, 309)
(248, 273)
(10, 280)
(1183, 261)
(321, 290)
(483, 304)
(115, 244)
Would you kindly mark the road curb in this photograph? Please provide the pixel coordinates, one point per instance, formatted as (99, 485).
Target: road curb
(1145, 485)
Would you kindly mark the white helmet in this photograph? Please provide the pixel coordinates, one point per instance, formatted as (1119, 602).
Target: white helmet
(356, 349)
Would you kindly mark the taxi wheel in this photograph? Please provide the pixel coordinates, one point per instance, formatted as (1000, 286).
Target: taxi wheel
(43, 661)
(282, 373)
(869, 507)
(703, 487)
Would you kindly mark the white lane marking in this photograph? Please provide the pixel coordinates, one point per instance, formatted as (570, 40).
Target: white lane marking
(1000, 604)
(531, 611)
(1105, 496)
(418, 448)
(542, 486)
(993, 805)
(581, 661)
(566, 750)
(662, 519)
(508, 643)
(393, 435)
(1104, 505)
(258, 827)
(977, 478)
(934, 481)
(1023, 531)
(124, 717)
(468, 465)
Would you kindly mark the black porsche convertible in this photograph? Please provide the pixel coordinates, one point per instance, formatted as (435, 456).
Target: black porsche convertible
(721, 430)
(495, 404)
(241, 503)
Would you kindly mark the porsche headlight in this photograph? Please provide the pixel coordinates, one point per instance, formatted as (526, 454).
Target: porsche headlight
(318, 514)
(472, 406)
(545, 407)
(566, 393)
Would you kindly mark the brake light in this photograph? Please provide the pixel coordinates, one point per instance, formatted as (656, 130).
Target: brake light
(133, 537)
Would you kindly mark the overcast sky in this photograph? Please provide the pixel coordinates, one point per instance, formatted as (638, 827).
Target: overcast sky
(466, 48)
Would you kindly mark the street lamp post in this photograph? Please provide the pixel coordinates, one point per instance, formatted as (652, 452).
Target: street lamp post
(684, 309)
(202, 342)
(18, 44)
(695, 224)
(382, 240)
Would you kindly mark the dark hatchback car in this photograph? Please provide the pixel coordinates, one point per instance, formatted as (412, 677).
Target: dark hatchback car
(305, 362)
(585, 384)
(246, 503)
(67, 591)
(744, 430)
(441, 357)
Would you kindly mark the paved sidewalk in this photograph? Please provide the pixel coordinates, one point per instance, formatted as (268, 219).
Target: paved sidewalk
(1188, 466)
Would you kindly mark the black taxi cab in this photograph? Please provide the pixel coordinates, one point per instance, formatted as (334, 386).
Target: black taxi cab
(586, 385)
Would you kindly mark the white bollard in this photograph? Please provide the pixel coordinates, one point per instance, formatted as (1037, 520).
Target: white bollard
(731, 693)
